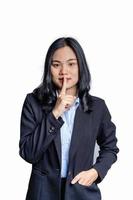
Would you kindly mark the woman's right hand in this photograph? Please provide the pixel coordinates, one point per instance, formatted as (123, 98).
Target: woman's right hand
(64, 101)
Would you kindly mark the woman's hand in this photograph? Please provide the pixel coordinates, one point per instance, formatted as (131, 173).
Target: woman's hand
(86, 177)
(63, 102)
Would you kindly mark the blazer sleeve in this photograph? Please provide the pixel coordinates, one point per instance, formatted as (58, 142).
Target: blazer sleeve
(107, 142)
(35, 137)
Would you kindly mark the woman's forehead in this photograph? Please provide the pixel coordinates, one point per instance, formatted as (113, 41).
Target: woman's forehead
(64, 54)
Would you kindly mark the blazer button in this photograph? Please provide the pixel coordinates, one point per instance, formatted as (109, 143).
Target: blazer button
(69, 173)
(52, 128)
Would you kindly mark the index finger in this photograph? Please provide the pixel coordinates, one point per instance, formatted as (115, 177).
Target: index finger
(76, 178)
(63, 90)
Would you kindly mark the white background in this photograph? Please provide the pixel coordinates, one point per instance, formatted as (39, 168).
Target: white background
(105, 31)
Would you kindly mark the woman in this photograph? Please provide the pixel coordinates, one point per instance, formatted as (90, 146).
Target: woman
(60, 124)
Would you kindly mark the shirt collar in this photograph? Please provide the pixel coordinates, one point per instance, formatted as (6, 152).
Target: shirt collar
(77, 101)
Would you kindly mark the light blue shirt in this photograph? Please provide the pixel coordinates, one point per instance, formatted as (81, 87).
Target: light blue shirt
(66, 133)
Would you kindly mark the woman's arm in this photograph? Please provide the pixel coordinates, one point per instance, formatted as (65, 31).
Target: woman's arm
(107, 142)
(35, 137)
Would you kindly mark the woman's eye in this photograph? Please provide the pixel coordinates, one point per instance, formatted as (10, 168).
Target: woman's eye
(55, 65)
(72, 64)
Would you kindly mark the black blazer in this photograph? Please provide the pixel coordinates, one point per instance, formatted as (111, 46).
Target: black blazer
(40, 145)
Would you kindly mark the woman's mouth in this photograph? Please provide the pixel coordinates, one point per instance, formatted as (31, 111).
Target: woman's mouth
(61, 79)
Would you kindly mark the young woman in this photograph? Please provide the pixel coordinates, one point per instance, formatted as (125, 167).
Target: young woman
(60, 125)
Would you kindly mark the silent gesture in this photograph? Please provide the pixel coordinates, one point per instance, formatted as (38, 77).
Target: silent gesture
(64, 101)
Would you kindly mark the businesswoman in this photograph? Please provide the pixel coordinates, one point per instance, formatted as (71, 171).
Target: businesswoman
(60, 125)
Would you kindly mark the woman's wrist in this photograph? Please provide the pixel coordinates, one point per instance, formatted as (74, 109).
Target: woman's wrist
(55, 113)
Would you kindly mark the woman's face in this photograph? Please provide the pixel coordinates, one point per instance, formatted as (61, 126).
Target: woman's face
(64, 63)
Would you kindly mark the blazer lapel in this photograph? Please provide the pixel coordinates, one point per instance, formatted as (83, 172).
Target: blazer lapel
(82, 125)
(81, 120)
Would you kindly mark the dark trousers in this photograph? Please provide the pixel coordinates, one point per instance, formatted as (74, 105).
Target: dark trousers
(63, 182)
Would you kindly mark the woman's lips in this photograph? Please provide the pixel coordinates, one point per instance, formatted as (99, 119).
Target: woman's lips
(61, 79)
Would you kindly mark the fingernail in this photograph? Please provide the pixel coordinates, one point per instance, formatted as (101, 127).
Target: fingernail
(72, 182)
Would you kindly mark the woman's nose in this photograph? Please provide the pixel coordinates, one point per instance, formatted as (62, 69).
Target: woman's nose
(63, 69)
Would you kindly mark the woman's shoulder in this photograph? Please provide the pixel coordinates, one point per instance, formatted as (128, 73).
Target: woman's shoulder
(31, 98)
(97, 101)
(97, 98)
(30, 95)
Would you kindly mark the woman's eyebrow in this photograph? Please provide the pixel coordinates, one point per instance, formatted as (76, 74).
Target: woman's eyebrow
(71, 59)
(56, 61)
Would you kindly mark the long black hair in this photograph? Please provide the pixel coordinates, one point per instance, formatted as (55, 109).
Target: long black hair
(46, 91)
